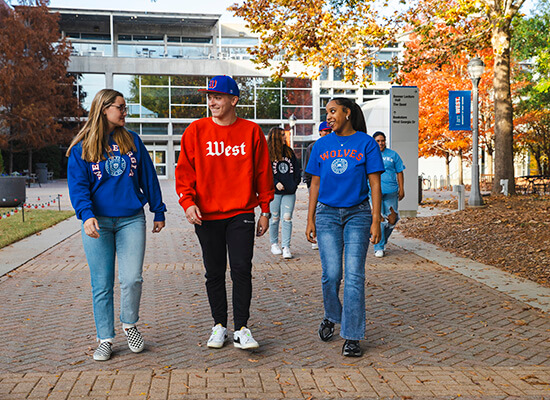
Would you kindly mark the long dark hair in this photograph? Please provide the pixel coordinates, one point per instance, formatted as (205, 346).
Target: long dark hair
(357, 119)
(277, 146)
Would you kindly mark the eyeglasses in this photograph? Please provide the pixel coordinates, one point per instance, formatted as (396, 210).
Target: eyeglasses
(122, 108)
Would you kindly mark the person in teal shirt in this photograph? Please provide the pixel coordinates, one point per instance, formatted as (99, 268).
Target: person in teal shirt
(392, 183)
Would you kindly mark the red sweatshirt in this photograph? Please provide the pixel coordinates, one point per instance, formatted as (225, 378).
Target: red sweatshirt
(224, 170)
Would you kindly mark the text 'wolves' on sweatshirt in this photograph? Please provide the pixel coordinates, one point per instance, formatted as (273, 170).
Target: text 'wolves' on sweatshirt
(224, 170)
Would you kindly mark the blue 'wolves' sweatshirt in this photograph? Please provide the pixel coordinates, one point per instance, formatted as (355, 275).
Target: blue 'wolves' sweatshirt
(116, 187)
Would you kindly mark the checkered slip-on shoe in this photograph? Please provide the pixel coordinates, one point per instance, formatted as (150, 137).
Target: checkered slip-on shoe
(103, 351)
(135, 340)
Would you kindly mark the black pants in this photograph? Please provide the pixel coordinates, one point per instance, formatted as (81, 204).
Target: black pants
(233, 236)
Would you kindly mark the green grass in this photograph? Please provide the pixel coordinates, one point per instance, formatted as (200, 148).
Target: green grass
(13, 228)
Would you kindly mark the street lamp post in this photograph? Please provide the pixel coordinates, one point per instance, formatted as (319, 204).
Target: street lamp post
(292, 123)
(475, 70)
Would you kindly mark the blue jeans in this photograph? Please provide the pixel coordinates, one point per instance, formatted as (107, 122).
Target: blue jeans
(344, 233)
(282, 204)
(125, 238)
(388, 200)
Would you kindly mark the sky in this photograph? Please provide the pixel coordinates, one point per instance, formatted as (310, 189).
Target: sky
(181, 6)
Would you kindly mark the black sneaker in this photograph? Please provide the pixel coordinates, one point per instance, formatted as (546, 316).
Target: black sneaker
(352, 349)
(135, 340)
(326, 330)
(103, 351)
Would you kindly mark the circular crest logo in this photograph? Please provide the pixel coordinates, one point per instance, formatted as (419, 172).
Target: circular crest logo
(115, 166)
(283, 168)
(339, 166)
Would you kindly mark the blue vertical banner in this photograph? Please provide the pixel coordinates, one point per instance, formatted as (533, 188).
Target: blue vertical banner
(460, 102)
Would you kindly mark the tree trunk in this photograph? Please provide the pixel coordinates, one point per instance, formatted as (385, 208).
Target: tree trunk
(448, 160)
(504, 154)
(460, 169)
(11, 159)
(29, 166)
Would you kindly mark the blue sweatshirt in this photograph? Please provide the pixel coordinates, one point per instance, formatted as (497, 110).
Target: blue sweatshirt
(116, 187)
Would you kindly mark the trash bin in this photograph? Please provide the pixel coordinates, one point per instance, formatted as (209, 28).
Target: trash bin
(42, 172)
(12, 191)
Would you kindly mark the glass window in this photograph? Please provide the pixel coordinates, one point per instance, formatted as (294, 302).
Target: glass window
(296, 83)
(382, 73)
(127, 85)
(297, 97)
(154, 129)
(187, 96)
(178, 129)
(189, 80)
(239, 41)
(299, 112)
(155, 101)
(88, 85)
(324, 74)
(338, 74)
(149, 38)
(188, 111)
(133, 127)
(95, 36)
(196, 39)
(245, 112)
(268, 104)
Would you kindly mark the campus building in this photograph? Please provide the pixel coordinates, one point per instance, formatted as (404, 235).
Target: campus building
(160, 60)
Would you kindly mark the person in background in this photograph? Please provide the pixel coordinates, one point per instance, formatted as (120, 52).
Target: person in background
(324, 129)
(111, 177)
(393, 191)
(223, 174)
(286, 177)
(342, 165)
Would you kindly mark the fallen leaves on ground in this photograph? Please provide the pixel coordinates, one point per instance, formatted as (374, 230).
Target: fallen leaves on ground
(511, 233)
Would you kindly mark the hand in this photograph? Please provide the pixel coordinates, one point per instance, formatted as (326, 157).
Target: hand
(375, 233)
(263, 225)
(91, 228)
(311, 233)
(280, 186)
(157, 226)
(401, 194)
(194, 215)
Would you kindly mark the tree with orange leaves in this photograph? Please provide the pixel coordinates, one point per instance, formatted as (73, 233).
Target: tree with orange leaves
(434, 82)
(533, 132)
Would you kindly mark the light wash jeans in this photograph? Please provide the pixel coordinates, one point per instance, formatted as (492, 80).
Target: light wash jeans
(125, 237)
(388, 200)
(282, 204)
(343, 233)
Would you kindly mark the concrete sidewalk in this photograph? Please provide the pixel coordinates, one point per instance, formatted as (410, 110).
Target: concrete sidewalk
(432, 332)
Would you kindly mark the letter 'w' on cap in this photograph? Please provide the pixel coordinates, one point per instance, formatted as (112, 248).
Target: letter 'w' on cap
(222, 84)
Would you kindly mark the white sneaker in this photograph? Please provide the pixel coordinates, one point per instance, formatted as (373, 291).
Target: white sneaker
(243, 339)
(379, 253)
(103, 351)
(135, 340)
(286, 252)
(275, 249)
(218, 337)
(315, 246)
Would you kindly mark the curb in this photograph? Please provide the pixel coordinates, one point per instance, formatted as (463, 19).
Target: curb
(24, 250)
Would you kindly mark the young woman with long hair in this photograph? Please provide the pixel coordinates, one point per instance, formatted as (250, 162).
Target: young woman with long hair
(111, 177)
(343, 164)
(286, 178)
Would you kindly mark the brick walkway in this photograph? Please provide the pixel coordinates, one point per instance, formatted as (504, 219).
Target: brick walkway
(432, 333)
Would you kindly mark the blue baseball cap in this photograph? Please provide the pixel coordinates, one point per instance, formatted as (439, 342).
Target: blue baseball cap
(324, 126)
(222, 84)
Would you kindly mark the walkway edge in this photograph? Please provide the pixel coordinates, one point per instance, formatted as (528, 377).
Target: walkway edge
(18, 253)
(521, 289)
